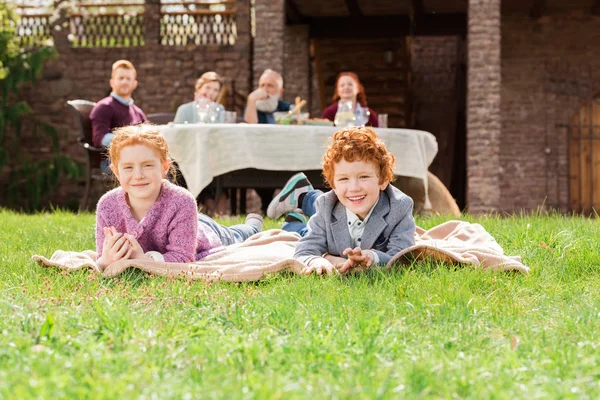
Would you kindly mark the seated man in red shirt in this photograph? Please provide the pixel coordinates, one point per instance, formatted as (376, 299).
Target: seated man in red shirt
(116, 110)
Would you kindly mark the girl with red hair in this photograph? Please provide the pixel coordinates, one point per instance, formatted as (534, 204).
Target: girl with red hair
(349, 89)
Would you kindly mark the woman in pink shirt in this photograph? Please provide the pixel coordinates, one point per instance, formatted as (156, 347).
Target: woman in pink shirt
(149, 217)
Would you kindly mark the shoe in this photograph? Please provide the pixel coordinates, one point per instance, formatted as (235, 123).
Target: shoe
(287, 199)
(296, 216)
(255, 220)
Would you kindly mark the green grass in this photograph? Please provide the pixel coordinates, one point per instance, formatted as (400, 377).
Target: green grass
(430, 330)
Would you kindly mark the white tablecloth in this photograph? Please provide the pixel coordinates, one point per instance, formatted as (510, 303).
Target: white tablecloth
(205, 151)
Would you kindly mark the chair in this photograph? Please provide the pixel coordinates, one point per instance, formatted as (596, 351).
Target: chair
(161, 118)
(82, 110)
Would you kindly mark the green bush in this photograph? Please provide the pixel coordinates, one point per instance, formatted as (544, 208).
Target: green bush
(29, 179)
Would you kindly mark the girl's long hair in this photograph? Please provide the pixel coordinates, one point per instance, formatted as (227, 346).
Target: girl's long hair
(361, 97)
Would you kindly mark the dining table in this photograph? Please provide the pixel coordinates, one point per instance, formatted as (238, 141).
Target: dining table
(262, 155)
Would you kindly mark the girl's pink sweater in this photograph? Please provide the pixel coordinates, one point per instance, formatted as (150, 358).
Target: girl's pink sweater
(170, 227)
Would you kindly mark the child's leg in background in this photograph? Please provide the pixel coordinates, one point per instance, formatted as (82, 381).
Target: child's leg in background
(309, 202)
(296, 221)
(236, 233)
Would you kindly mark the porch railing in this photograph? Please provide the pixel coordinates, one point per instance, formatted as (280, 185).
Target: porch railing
(121, 24)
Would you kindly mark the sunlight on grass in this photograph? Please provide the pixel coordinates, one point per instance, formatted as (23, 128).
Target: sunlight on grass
(427, 330)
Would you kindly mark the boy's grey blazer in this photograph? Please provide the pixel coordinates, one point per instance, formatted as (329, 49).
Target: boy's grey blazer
(389, 229)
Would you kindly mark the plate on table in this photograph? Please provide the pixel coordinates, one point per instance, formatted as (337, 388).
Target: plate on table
(319, 122)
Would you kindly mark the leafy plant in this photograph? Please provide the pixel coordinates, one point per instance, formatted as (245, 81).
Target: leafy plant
(29, 179)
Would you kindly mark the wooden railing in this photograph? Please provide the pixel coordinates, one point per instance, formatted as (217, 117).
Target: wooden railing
(121, 24)
(198, 23)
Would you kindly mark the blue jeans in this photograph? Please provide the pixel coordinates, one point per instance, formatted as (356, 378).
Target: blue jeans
(309, 208)
(228, 234)
(105, 166)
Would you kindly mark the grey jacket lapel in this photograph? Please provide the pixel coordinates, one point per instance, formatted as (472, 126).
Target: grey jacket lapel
(376, 223)
(339, 229)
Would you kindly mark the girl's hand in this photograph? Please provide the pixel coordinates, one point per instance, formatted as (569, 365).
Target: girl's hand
(318, 266)
(356, 258)
(116, 247)
(108, 234)
(137, 251)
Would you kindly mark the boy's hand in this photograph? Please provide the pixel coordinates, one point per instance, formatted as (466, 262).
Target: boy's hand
(137, 251)
(318, 265)
(356, 258)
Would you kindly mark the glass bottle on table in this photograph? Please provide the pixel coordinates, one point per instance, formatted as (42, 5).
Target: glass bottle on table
(203, 109)
(345, 117)
(362, 115)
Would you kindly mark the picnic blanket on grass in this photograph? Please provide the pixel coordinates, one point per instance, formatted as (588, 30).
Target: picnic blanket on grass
(272, 251)
(459, 242)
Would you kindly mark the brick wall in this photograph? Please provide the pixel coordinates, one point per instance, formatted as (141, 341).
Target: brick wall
(296, 64)
(549, 67)
(166, 77)
(483, 106)
(270, 37)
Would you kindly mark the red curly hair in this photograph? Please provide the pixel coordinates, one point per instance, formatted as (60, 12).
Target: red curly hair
(145, 134)
(359, 143)
(361, 97)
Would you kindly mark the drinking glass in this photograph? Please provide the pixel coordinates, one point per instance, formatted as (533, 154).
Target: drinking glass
(230, 117)
(345, 117)
(383, 120)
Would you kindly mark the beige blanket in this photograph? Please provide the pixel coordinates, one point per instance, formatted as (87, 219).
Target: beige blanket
(271, 252)
(462, 242)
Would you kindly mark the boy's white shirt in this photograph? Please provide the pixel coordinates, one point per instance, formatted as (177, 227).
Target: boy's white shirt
(356, 227)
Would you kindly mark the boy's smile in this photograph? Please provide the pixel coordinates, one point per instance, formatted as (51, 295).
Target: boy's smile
(357, 186)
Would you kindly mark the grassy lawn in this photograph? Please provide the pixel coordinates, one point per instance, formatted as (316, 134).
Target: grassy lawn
(431, 330)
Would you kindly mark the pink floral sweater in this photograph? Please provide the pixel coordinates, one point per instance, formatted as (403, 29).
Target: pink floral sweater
(170, 227)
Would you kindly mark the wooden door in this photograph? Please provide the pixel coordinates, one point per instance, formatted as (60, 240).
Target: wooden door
(584, 158)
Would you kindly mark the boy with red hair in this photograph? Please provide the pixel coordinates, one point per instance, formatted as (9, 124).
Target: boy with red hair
(363, 220)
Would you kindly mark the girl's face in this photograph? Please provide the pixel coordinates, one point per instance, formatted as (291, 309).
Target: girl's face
(347, 88)
(140, 172)
(210, 90)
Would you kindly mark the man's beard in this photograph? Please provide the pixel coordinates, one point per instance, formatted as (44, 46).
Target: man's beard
(268, 105)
